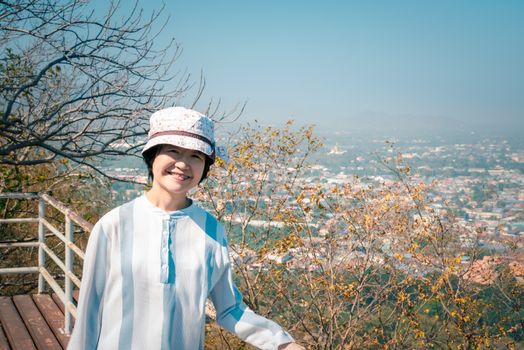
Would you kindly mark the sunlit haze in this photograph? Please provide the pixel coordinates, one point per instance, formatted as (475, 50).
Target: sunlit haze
(376, 66)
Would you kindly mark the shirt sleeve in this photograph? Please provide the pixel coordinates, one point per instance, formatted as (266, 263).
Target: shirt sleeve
(234, 315)
(89, 311)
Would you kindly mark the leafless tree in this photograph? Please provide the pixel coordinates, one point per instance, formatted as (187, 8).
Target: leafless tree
(78, 85)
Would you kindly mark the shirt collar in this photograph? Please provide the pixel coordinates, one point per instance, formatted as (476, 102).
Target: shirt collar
(172, 214)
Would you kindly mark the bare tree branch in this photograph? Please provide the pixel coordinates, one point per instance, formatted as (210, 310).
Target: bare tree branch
(80, 86)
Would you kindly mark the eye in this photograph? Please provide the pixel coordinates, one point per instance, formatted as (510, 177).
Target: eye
(198, 156)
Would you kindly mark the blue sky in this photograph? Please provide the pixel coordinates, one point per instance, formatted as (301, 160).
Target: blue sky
(358, 64)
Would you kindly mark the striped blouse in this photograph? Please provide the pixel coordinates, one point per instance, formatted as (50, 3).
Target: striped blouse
(147, 275)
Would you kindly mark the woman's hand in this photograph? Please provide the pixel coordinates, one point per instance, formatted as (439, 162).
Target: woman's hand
(291, 346)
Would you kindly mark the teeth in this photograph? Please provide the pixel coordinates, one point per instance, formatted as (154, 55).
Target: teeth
(182, 176)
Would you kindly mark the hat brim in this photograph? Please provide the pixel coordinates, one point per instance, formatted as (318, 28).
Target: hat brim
(180, 141)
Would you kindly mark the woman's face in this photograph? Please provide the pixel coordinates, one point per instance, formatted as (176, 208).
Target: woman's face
(177, 170)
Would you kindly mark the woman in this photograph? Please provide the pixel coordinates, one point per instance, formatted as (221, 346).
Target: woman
(151, 264)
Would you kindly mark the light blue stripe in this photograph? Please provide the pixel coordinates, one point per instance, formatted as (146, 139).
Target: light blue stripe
(169, 291)
(169, 316)
(170, 257)
(211, 230)
(209, 270)
(211, 226)
(93, 306)
(126, 251)
(237, 313)
(239, 310)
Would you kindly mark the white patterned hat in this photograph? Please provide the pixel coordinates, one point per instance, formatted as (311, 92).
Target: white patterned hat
(185, 128)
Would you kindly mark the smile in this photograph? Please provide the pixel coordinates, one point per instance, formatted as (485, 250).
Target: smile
(179, 176)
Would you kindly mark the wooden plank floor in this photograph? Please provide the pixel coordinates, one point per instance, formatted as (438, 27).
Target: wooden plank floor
(32, 322)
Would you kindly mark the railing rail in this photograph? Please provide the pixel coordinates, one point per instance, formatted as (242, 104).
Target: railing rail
(71, 218)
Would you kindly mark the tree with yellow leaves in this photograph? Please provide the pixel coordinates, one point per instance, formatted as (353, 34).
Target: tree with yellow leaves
(353, 266)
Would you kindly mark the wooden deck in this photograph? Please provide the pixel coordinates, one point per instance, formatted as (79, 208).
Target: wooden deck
(32, 322)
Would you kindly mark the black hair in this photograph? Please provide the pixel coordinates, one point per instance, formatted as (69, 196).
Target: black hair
(150, 155)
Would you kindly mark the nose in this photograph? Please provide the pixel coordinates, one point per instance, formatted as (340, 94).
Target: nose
(182, 162)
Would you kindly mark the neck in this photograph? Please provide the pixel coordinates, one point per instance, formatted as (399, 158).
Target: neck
(167, 201)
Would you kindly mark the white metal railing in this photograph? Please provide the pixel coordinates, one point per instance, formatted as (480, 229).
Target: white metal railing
(71, 218)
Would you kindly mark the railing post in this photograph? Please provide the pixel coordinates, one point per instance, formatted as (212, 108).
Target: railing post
(69, 230)
(41, 241)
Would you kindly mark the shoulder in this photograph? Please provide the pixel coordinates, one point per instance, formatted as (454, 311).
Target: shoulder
(211, 225)
(110, 222)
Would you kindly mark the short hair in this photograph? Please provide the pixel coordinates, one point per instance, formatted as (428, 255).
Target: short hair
(150, 155)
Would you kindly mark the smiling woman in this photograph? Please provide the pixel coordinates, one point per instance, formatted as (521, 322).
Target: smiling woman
(152, 263)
